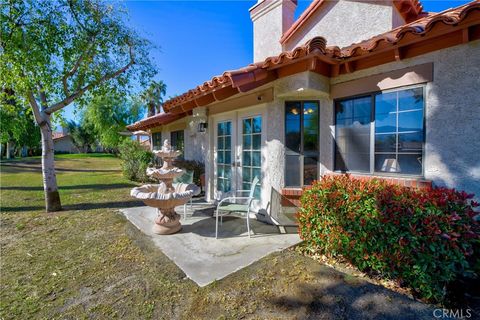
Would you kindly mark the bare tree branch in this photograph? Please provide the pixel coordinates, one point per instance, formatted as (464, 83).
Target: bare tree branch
(75, 67)
(65, 102)
(36, 110)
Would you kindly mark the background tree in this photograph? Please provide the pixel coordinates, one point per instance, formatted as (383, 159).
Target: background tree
(83, 135)
(153, 97)
(53, 53)
(17, 126)
(109, 114)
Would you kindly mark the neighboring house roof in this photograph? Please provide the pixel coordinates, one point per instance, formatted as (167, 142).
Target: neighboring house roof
(433, 32)
(153, 121)
(410, 10)
(59, 135)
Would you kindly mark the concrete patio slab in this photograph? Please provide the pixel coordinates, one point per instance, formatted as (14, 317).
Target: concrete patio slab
(203, 258)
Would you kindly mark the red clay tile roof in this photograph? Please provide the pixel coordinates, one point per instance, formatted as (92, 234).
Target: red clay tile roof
(409, 9)
(433, 32)
(419, 28)
(153, 121)
(58, 135)
(242, 79)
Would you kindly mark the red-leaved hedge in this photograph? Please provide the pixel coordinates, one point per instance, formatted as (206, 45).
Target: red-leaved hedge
(425, 239)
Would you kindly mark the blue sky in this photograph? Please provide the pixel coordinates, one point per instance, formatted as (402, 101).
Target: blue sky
(197, 40)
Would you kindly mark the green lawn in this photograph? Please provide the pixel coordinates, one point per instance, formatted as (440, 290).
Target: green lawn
(89, 262)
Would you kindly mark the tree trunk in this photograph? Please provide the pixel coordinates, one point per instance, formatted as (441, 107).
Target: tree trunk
(52, 197)
(151, 110)
(8, 156)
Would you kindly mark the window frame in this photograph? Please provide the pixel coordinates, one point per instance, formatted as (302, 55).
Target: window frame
(158, 133)
(301, 151)
(251, 167)
(175, 146)
(372, 171)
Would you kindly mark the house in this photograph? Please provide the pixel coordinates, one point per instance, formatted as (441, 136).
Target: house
(63, 143)
(372, 88)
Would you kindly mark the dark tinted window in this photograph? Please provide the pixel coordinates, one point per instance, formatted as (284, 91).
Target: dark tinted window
(177, 141)
(302, 142)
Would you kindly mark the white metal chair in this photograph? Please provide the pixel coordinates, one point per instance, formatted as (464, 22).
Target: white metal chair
(229, 205)
(187, 178)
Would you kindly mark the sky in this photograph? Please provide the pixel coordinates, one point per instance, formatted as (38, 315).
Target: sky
(196, 40)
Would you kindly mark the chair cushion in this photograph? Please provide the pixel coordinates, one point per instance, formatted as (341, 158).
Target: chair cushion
(234, 207)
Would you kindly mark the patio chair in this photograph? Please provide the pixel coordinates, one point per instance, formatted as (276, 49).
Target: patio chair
(187, 178)
(230, 205)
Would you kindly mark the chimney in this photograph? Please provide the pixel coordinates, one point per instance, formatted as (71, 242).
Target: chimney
(271, 18)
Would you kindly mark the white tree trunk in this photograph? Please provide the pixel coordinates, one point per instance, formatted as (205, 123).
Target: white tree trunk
(52, 197)
(8, 154)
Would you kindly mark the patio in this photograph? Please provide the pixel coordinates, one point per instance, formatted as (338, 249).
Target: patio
(203, 258)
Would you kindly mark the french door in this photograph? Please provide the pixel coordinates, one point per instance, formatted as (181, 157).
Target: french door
(238, 153)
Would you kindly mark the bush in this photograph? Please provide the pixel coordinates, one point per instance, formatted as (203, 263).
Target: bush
(197, 167)
(424, 239)
(135, 160)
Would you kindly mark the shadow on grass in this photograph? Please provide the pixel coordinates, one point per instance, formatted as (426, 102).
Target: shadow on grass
(80, 206)
(74, 187)
(38, 168)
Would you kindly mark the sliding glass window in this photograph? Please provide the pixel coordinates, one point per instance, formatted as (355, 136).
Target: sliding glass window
(352, 134)
(399, 132)
(301, 142)
(381, 133)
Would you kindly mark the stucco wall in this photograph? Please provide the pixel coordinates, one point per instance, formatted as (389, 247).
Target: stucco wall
(346, 21)
(269, 23)
(64, 144)
(195, 142)
(452, 149)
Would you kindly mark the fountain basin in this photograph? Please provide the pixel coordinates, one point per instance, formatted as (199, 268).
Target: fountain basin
(169, 154)
(151, 196)
(161, 173)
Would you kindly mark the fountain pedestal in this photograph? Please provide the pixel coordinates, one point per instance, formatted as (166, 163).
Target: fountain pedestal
(167, 222)
(165, 196)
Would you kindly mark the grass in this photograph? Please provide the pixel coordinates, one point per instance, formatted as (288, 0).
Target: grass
(89, 262)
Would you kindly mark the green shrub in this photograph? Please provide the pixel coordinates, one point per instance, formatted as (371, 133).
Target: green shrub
(135, 160)
(424, 239)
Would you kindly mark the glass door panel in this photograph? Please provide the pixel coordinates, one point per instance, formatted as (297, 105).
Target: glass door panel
(224, 156)
(251, 158)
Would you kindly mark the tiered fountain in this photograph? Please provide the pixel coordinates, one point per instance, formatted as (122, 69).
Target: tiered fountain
(166, 195)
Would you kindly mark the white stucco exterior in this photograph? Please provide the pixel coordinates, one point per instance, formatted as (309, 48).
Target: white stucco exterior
(270, 21)
(344, 22)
